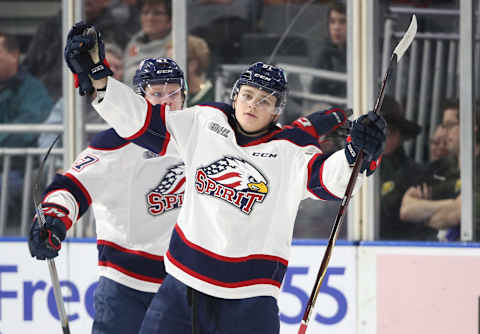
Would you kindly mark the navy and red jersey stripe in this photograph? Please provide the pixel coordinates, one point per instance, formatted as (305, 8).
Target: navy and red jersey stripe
(231, 272)
(315, 182)
(153, 135)
(107, 140)
(71, 184)
(137, 264)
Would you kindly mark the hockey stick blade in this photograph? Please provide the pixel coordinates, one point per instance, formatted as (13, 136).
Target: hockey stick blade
(402, 46)
(407, 39)
(51, 263)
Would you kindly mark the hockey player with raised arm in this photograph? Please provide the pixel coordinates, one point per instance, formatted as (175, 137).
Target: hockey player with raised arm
(135, 196)
(245, 177)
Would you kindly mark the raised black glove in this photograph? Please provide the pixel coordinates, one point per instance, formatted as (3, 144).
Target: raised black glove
(85, 56)
(368, 133)
(44, 242)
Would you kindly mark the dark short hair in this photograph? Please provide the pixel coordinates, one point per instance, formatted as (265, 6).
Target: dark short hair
(451, 104)
(10, 42)
(166, 3)
(338, 7)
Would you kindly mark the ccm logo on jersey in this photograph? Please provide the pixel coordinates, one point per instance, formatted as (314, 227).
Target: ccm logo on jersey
(233, 180)
(168, 194)
(217, 128)
(264, 155)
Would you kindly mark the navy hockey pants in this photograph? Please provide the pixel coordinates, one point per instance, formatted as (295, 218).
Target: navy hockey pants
(118, 309)
(171, 312)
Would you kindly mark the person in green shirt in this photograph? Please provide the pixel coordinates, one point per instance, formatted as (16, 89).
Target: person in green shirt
(436, 202)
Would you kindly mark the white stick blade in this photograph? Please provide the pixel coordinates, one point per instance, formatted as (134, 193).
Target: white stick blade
(407, 39)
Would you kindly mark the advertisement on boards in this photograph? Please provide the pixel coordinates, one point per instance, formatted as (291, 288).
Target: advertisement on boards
(27, 303)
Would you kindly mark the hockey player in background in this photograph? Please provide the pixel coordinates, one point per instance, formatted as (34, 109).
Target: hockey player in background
(135, 196)
(245, 177)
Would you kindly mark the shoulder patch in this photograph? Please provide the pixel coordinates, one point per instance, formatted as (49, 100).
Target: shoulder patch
(388, 187)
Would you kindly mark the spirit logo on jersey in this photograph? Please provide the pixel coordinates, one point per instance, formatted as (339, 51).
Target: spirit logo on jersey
(168, 194)
(233, 180)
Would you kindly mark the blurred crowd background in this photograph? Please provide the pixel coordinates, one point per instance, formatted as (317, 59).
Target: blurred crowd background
(416, 196)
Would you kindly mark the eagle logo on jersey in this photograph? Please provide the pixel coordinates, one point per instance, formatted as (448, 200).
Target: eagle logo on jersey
(233, 180)
(168, 194)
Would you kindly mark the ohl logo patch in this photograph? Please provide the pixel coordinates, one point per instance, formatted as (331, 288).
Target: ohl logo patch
(168, 194)
(233, 180)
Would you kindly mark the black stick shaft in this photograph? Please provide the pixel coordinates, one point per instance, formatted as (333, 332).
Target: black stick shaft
(339, 218)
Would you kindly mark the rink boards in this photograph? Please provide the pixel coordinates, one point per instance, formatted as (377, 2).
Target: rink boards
(369, 288)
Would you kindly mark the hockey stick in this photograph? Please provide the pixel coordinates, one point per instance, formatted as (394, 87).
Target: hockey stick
(402, 46)
(51, 263)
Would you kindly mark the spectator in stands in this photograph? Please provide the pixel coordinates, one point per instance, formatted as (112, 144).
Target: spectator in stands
(438, 144)
(200, 88)
(45, 54)
(447, 218)
(114, 56)
(152, 40)
(398, 172)
(333, 56)
(23, 99)
(432, 202)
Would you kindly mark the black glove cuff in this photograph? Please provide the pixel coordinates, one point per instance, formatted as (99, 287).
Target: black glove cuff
(100, 71)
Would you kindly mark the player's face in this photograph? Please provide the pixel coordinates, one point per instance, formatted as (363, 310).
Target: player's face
(254, 108)
(452, 126)
(337, 26)
(165, 93)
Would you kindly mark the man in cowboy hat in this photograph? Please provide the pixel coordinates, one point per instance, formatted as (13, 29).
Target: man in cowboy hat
(398, 172)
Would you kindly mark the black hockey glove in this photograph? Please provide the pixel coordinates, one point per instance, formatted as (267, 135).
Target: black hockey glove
(44, 242)
(85, 56)
(368, 133)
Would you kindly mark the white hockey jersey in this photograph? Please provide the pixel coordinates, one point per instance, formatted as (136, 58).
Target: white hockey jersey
(234, 232)
(135, 196)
